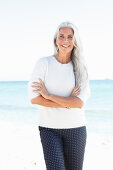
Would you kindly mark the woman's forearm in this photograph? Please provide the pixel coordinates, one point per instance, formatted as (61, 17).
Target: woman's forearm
(69, 102)
(50, 100)
(40, 100)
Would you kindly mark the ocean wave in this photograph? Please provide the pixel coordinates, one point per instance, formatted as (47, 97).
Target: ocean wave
(15, 107)
(99, 109)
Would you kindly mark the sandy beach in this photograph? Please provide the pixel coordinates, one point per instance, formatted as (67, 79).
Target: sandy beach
(20, 149)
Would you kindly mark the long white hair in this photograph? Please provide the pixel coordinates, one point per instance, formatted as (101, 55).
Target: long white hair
(79, 67)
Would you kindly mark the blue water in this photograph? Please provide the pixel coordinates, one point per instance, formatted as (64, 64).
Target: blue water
(15, 106)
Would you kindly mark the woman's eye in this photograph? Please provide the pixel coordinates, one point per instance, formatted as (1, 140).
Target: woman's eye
(69, 37)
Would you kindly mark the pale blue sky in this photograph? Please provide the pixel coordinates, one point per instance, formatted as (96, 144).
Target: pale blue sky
(27, 29)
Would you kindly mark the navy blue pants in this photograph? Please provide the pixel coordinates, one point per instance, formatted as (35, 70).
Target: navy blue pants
(63, 148)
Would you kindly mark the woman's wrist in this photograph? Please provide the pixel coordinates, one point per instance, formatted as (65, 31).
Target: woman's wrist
(48, 96)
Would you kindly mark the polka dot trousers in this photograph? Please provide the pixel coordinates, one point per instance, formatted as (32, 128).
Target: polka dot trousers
(63, 148)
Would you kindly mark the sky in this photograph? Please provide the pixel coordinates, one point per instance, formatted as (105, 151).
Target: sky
(27, 29)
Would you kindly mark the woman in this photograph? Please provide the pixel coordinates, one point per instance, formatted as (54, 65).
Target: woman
(59, 85)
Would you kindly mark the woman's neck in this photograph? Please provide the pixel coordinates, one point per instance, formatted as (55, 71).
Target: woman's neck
(63, 58)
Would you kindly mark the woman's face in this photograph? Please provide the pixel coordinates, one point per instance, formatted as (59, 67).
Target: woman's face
(64, 40)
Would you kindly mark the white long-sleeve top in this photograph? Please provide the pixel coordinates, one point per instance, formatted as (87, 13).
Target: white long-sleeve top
(59, 80)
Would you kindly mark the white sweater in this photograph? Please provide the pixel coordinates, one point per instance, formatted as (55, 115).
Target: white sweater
(59, 80)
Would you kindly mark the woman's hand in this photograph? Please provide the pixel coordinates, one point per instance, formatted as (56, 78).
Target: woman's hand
(75, 91)
(40, 88)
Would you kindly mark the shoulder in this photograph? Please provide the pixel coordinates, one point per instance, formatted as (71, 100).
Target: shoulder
(44, 60)
(41, 64)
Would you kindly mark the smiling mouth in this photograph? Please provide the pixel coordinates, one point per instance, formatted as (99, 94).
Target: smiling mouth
(65, 46)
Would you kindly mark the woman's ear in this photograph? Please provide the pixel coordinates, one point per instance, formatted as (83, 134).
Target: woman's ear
(56, 41)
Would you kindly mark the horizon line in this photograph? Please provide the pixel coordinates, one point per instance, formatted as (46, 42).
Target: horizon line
(28, 80)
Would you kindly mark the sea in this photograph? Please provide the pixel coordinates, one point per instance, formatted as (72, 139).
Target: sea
(16, 108)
